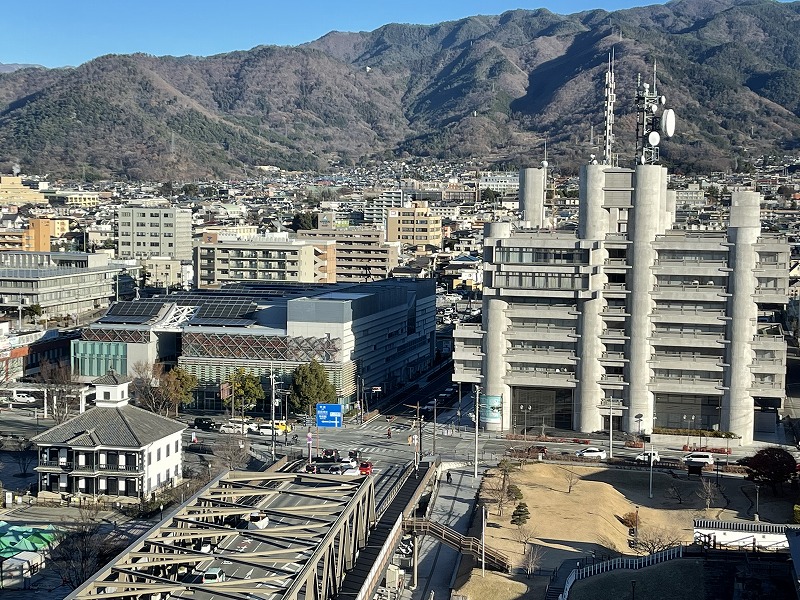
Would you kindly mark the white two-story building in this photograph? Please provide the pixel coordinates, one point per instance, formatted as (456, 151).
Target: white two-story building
(114, 450)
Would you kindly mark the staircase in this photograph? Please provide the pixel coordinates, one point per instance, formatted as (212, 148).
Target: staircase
(464, 544)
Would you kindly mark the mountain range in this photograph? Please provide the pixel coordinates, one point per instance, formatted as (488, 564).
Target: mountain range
(496, 89)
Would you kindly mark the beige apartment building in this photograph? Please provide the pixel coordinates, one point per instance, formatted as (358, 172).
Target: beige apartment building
(362, 253)
(13, 191)
(414, 225)
(273, 257)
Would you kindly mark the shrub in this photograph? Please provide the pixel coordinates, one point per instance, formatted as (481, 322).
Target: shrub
(796, 513)
(629, 519)
(520, 515)
(513, 492)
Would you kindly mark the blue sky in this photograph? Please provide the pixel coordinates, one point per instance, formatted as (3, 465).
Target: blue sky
(58, 33)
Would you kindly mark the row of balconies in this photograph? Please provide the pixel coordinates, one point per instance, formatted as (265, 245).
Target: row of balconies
(70, 467)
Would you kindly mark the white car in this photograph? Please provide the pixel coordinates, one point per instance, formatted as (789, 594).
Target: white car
(592, 452)
(349, 463)
(267, 430)
(645, 456)
(698, 457)
(24, 399)
(232, 428)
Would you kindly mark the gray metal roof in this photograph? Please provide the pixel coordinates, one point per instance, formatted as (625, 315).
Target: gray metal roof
(111, 378)
(121, 427)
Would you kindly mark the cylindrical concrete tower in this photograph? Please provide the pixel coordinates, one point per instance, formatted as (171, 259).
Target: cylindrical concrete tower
(593, 225)
(531, 196)
(743, 232)
(495, 410)
(644, 223)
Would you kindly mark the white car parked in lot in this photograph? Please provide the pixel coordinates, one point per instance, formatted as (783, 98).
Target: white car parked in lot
(24, 399)
(592, 452)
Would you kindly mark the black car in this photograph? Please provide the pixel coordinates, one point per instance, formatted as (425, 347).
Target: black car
(204, 423)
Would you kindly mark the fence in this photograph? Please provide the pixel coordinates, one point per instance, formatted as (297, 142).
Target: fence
(620, 563)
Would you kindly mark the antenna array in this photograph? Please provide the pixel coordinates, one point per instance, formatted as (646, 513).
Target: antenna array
(650, 126)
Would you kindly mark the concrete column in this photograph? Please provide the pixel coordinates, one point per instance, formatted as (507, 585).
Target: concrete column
(495, 412)
(644, 223)
(593, 226)
(743, 231)
(531, 196)
(670, 208)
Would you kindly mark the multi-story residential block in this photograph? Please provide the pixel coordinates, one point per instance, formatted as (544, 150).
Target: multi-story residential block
(272, 257)
(13, 191)
(627, 316)
(152, 230)
(362, 253)
(414, 226)
(168, 273)
(73, 198)
(115, 450)
(375, 209)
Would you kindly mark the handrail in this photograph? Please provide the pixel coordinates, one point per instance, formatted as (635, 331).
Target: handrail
(462, 543)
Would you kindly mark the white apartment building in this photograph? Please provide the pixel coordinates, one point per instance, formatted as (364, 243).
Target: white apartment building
(414, 226)
(375, 209)
(659, 326)
(151, 230)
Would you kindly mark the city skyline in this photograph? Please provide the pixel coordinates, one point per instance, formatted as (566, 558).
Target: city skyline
(166, 28)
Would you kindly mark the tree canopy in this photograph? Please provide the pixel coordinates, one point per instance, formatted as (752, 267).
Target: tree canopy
(771, 466)
(246, 391)
(304, 220)
(310, 385)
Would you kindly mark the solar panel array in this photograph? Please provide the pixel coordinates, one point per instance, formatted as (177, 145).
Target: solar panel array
(133, 312)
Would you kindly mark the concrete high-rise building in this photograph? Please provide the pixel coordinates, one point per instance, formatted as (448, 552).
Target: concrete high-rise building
(660, 327)
(414, 226)
(152, 230)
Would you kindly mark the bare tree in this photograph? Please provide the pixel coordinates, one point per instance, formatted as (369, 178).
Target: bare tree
(62, 390)
(493, 491)
(22, 452)
(707, 492)
(233, 452)
(571, 478)
(161, 391)
(532, 559)
(80, 550)
(144, 387)
(655, 539)
(523, 534)
(675, 493)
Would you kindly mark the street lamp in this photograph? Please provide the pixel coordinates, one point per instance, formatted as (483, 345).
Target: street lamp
(161, 508)
(477, 424)
(525, 408)
(690, 421)
(756, 515)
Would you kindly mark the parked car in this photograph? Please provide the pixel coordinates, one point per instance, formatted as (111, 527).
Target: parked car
(698, 457)
(354, 454)
(365, 468)
(24, 399)
(310, 468)
(647, 456)
(592, 452)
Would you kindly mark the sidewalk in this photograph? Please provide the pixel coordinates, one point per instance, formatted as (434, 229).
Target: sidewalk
(452, 506)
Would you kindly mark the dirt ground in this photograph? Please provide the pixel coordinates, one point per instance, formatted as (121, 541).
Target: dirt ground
(570, 525)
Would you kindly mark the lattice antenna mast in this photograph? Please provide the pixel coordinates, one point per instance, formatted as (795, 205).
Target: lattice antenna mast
(610, 98)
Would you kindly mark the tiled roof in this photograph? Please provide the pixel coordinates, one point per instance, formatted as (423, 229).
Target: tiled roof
(121, 427)
(111, 378)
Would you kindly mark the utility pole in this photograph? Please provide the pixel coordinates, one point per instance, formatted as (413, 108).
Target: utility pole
(272, 407)
(435, 403)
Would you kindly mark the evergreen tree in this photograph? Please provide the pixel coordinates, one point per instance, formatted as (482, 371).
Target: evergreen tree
(246, 391)
(520, 515)
(310, 386)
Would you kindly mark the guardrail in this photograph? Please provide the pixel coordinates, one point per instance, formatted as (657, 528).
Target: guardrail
(619, 563)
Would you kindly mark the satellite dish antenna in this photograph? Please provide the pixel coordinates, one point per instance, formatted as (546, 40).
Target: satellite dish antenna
(668, 122)
(653, 138)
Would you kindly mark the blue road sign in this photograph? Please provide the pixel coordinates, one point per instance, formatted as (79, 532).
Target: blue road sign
(329, 415)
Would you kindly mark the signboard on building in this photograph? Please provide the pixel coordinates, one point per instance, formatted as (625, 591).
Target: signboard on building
(491, 409)
(329, 415)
